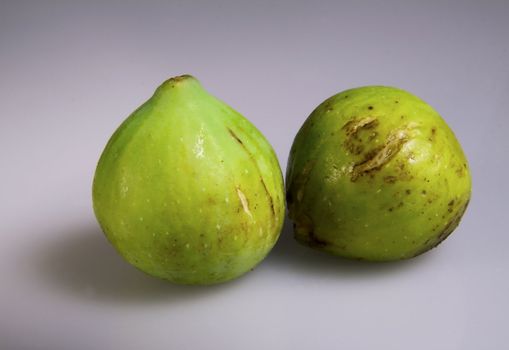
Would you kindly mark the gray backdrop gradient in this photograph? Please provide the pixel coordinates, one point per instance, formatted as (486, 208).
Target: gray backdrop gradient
(70, 73)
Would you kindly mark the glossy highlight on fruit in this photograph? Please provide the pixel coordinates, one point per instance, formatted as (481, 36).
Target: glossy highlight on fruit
(376, 174)
(189, 190)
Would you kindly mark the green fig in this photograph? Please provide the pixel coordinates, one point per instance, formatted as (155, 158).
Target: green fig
(187, 189)
(376, 174)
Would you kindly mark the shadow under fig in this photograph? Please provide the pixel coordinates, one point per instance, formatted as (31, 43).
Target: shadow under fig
(83, 263)
(290, 255)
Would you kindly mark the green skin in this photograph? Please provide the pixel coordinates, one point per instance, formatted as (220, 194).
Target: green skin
(187, 189)
(376, 174)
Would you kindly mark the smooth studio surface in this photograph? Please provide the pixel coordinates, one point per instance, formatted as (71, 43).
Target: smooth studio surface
(70, 74)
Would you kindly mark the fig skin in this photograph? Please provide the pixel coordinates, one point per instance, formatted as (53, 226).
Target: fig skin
(187, 189)
(376, 174)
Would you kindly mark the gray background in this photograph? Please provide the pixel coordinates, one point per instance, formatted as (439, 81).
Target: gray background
(69, 74)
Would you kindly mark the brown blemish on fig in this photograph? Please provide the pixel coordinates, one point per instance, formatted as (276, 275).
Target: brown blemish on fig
(446, 231)
(381, 155)
(354, 125)
(390, 179)
(452, 224)
(450, 206)
(315, 241)
(460, 171)
(304, 232)
(432, 135)
(175, 80)
(358, 149)
(353, 143)
(235, 136)
(327, 106)
(269, 196)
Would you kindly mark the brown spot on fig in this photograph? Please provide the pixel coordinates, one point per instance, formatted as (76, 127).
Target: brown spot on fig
(253, 159)
(358, 149)
(315, 241)
(449, 227)
(305, 233)
(452, 224)
(390, 179)
(354, 125)
(433, 131)
(235, 136)
(380, 156)
(353, 143)
(271, 201)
